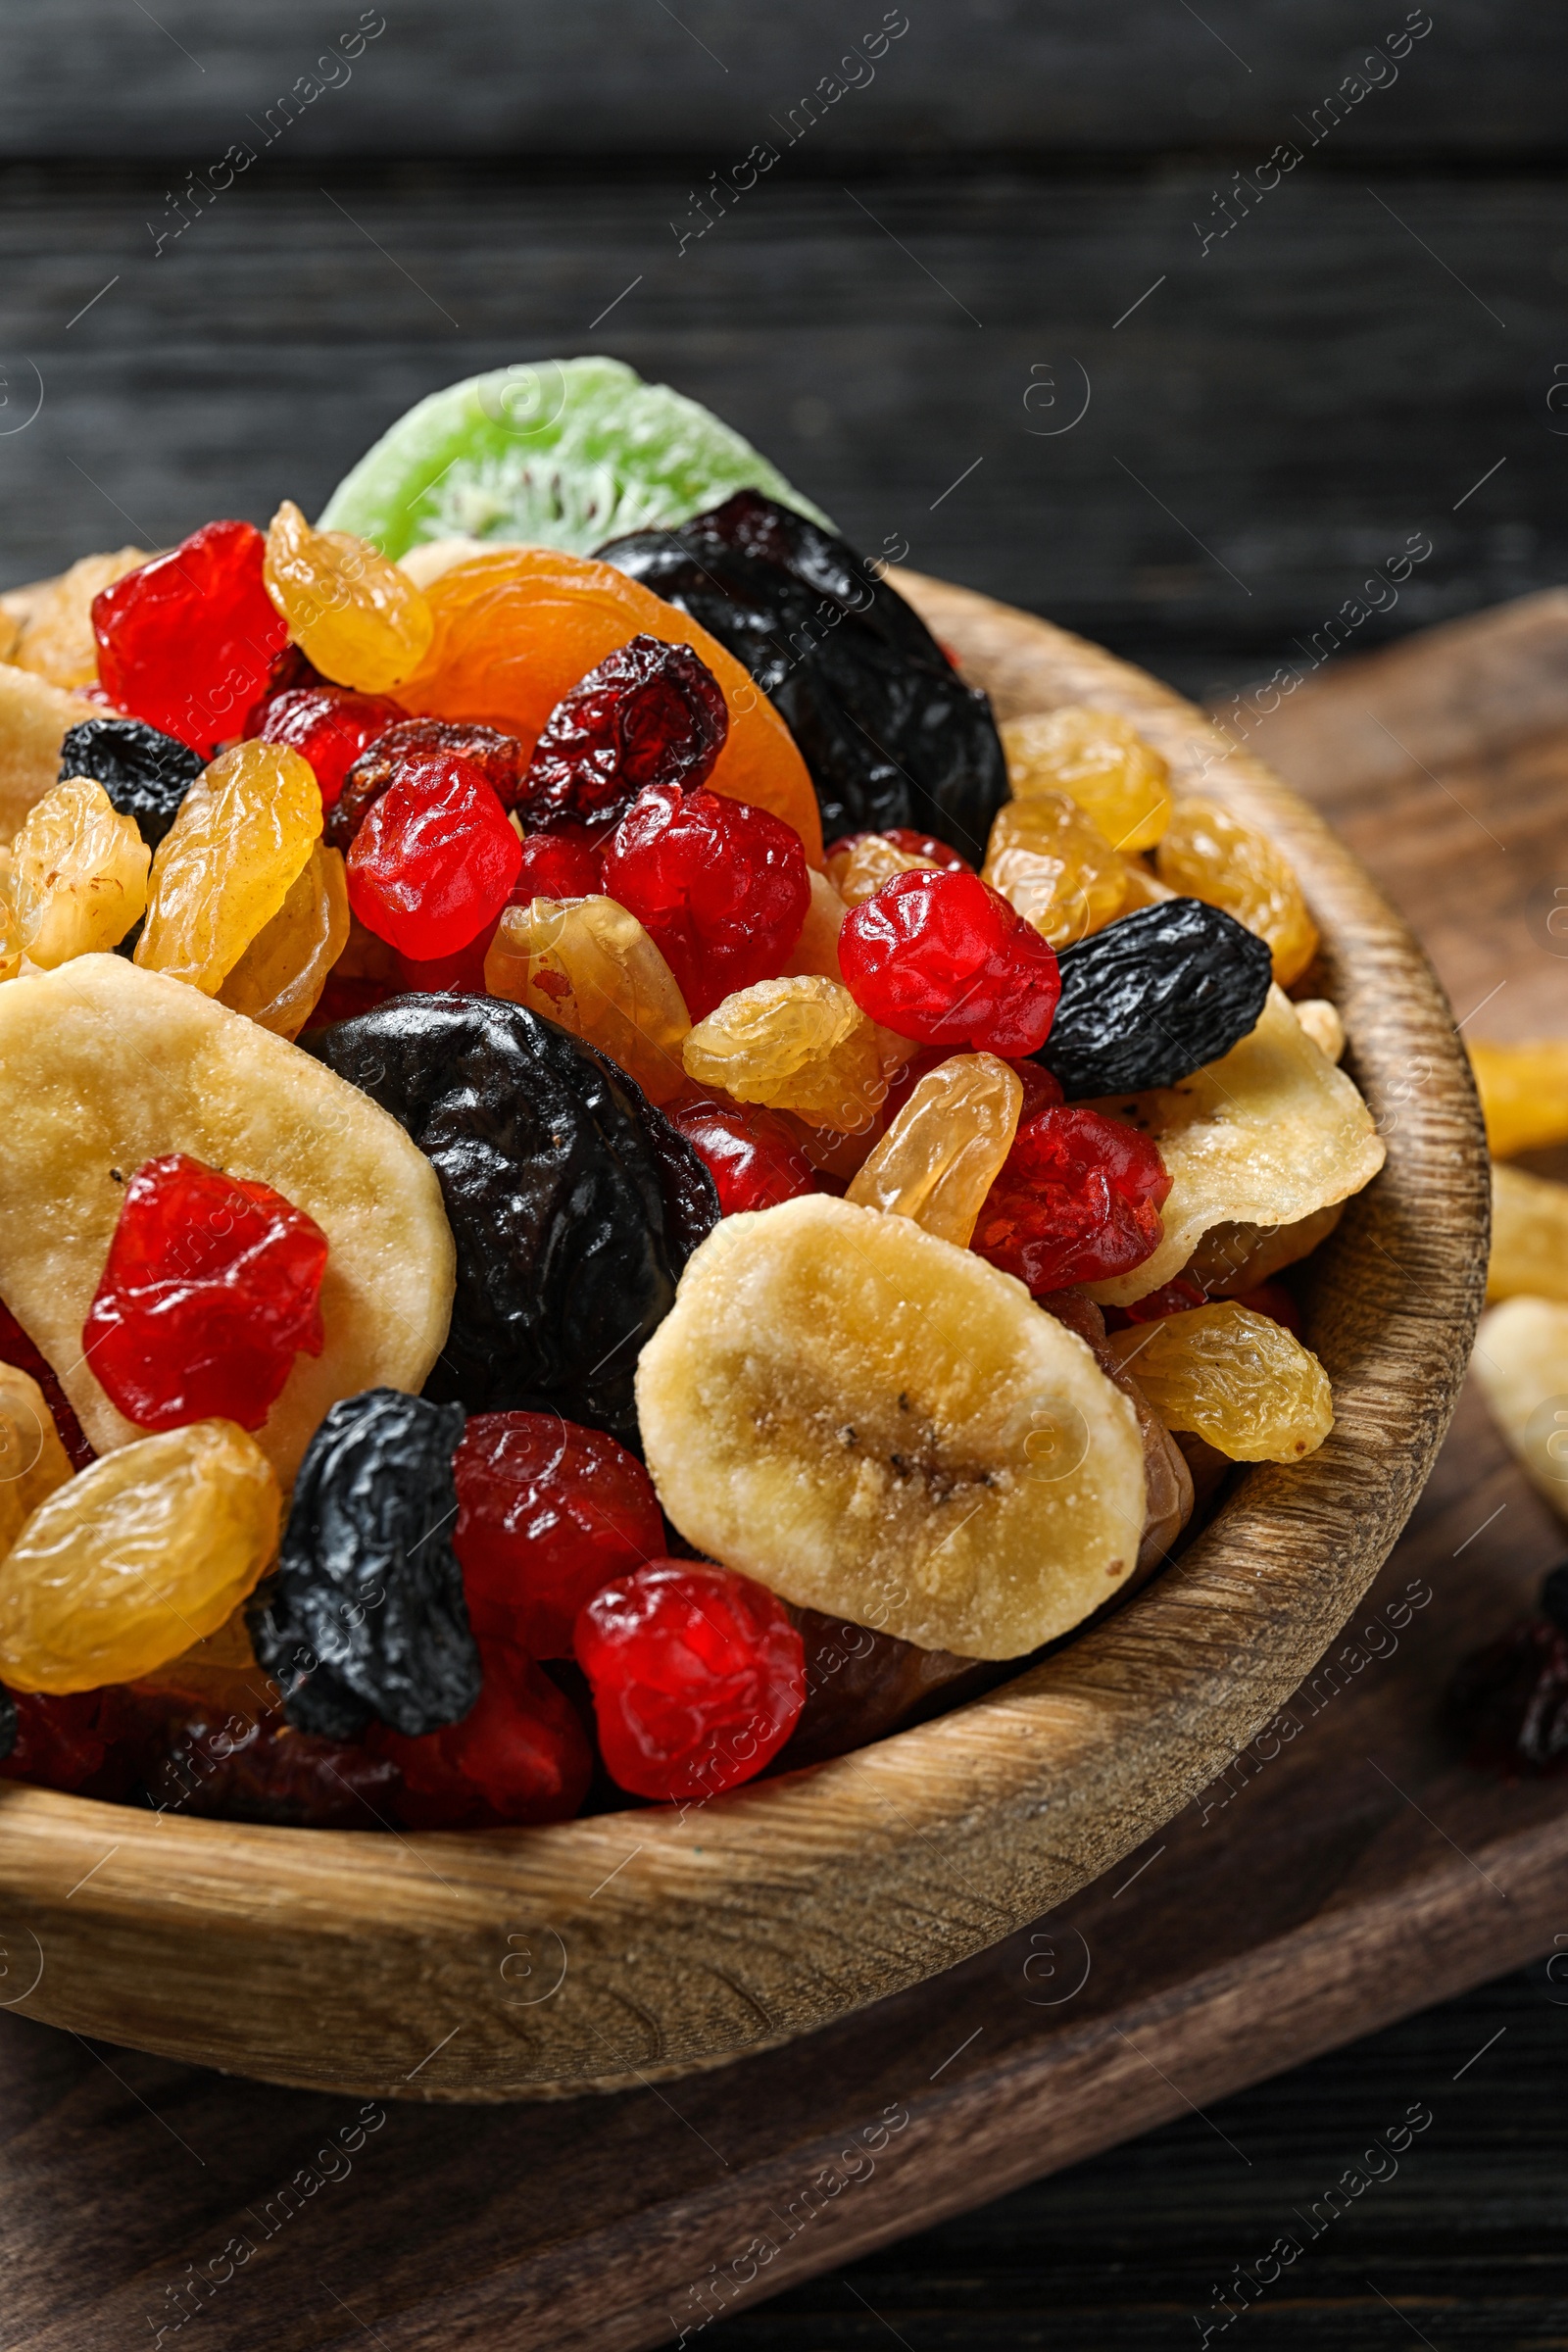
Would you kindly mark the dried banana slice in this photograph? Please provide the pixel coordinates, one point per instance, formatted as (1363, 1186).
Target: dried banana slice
(1529, 1237)
(1521, 1361)
(33, 719)
(1265, 1136)
(881, 1426)
(104, 1066)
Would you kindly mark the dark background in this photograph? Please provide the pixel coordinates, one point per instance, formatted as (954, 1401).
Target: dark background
(1369, 353)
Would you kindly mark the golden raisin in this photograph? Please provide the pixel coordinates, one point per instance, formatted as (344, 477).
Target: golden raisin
(943, 1151)
(9, 928)
(78, 874)
(589, 965)
(1056, 868)
(1210, 855)
(279, 980)
(359, 619)
(146, 1552)
(860, 871)
(1237, 1379)
(1524, 1094)
(1119, 781)
(244, 833)
(32, 1460)
(800, 1044)
(1142, 886)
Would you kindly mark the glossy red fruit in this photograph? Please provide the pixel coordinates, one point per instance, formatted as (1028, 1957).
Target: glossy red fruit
(697, 1677)
(460, 974)
(499, 759)
(753, 1157)
(187, 642)
(548, 1512)
(519, 1755)
(720, 886)
(16, 1347)
(1078, 1200)
(212, 1287)
(562, 864)
(329, 726)
(649, 713)
(434, 860)
(944, 959)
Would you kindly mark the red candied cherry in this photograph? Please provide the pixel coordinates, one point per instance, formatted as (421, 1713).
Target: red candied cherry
(520, 1755)
(1077, 1199)
(942, 958)
(187, 642)
(647, 713)
(752, 1156)
(547, 1514)
(720, 886)
(211, 1288)
(329, 726)
(697, 1677)
(562, 863)
(434, 860)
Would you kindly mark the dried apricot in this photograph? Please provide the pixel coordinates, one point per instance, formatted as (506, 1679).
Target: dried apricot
(243, 835)
(589, 965)
(78, 874)
(1209, 853)
(358, 619)
(1120, 782)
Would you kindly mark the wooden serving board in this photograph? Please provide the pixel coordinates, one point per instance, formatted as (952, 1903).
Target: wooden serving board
(1346, 1869)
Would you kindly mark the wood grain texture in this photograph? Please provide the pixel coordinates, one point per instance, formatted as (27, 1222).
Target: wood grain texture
(771, 1912)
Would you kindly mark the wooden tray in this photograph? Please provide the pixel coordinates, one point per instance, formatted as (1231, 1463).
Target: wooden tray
(1323, 1885)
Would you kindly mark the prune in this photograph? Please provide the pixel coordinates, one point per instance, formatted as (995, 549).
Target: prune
(861, 1685)
(60, 1742)
(364, 1617)
(8, 1725)
(550, 1165)
(145, 775)
(892, 735)
(1154, 997)
(647, 713)
(501, 760)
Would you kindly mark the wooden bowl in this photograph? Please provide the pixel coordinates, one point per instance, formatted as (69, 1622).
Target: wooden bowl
(504, 1964)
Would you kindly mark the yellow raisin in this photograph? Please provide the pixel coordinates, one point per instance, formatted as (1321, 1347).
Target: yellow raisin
(1056, 868)
(56, 640)
(244, 833)
(1142, 886)
(1236, 1379)
(1119, 781)
(1524, 1094)
(9, 928)
(943, 1152)
(359, 619)
(1210, 855)
(590, 966)
(279, 978)
(32, 1460)
(78, 874)
(1529, 1237)
(860, 871)
(816, 951)
(149, 1549)
(799, 1044)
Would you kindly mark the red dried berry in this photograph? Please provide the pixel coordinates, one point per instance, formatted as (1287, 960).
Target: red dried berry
(212, 1285)
(187, 642)
(329, 726)
(63, 1742)
(549, 1512)
(195, 1759)
(697, 1677)
(434, 860)
(753, 1157)
(1171, 1298)
(562, 864)
(16, 1347)
(502, 760)
(649, 712)
(519, 1755)
(944, 959)
(460, 974)
(720, 886)
(1078, 1200)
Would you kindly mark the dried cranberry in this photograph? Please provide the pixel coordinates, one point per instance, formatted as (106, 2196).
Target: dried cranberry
(17, 1349)
(562, 864)
(753, 1157)
(255, 1767)
(720, 886)
(329, 726)
(647, 713)
(502, 760)
(187, 642)
(944, 959)
(549, 1512)
(1078, 1200)
(697, 1677)
(1171, 1298)
(212, 1285)
(519, 1755)
(434, 860)
(345, 999)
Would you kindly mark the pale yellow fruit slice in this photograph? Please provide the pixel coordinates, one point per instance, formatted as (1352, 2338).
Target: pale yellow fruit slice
(1265, 1136)
(881, 1426)
(56, 638)
(34, 718)
(1521, 1361)
(103, 1067)
(32, 1460)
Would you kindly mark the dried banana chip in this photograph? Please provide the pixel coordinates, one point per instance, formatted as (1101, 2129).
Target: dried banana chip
(881, 1426)
(103, 1067)
(33, 719)
(56, 638)
(1265, 1136)
(1529, 1237)
(1521, 1361)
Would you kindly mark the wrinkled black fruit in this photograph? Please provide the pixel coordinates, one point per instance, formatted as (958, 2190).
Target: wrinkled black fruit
(891, 733)
(7, 1724)
(145, 775)
(364, 1616)
(1154, 997)
(573, 1203)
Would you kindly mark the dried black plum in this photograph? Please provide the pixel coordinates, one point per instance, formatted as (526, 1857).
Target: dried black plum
(145, 775)
(364, 1616)
(552, 1164)
(7, 1724)
(889, 730)
(1154, 997)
